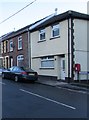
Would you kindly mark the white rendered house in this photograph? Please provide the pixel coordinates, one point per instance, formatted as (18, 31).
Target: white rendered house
(58, 44)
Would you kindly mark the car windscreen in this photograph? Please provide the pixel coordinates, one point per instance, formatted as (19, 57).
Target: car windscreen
(27, 69)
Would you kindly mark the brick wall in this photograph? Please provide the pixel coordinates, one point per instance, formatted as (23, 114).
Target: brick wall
(16, 52)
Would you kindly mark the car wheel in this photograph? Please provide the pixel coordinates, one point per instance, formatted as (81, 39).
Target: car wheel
(16, 78)
(3, 76)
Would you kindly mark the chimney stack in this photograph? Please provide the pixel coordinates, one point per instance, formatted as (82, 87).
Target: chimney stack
(56, 11)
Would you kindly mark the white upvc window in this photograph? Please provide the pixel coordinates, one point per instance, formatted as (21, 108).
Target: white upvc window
(20, 59)
(11, 45)
(19, 42)
(7, 46)
(4, 46)
(47, 62)
(42, 35)
(2, 49)
(55, 30)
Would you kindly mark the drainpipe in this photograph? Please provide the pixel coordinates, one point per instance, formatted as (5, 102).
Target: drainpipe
(68, 79)
(29, 49)
(72, 49)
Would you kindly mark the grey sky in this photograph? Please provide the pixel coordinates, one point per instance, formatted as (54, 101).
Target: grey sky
(36, 11)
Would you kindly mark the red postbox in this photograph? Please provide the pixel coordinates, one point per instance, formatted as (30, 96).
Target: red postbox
(77, 67)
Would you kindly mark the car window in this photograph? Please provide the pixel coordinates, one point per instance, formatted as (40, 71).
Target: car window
(27, 69)
(10, 69)
(22, 68)
(16, 69)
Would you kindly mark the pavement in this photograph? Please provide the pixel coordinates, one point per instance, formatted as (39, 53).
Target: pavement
(51, 81)
(57, 83)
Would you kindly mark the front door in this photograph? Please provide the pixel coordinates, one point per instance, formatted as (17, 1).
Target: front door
(63, 68)
(11, 61)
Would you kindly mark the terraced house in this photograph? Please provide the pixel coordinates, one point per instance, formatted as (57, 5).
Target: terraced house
(14, 48)
(59, 46)
(0, 55)
(55, 46)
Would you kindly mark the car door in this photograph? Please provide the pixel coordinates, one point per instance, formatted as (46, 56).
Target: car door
(16, 72)
(11, 73)
(6, 73)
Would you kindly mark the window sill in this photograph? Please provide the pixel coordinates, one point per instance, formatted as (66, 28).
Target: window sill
(41, 41)
(54, 37)
(11, 51)
(20, 49)
(46, 68)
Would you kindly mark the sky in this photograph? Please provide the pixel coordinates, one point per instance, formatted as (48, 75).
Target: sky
(34, 12)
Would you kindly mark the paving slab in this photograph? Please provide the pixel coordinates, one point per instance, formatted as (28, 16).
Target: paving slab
(57, 83)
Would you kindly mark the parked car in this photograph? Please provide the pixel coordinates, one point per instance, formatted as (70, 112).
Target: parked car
(20, 73)
(1, 70)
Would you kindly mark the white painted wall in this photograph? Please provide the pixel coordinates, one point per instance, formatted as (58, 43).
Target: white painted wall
(59, 46)
(53, 47)
(80, 35)
(81, 45)
(37, 67)
(50, 47)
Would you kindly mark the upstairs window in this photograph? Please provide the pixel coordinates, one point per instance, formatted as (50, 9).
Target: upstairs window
(7, 46)
(20, 43)
(55, 30)
(2, 47)
(42, 35)
(11, 45)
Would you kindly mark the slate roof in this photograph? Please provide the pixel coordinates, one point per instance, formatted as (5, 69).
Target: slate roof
(25, 29)
(49, 20)
(61, 17)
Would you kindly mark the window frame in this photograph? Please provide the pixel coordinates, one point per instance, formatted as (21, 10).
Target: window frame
(47, 59)
(54, 27)
(19, 58)
(11, 45)
(20, 41)
(5, 46)
(41, 33)
(2, 47)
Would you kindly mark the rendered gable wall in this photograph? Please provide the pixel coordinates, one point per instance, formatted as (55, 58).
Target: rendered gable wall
(81, 45)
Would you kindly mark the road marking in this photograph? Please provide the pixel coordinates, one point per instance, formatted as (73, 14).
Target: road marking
(2, 83)
(77, 91)
(48, 99)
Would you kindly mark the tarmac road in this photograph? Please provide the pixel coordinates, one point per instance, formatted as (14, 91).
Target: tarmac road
(27, 100)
